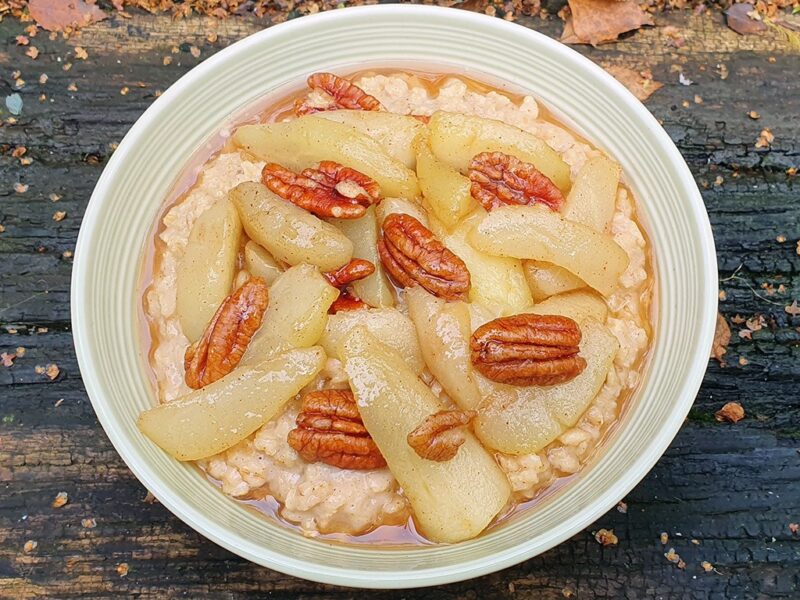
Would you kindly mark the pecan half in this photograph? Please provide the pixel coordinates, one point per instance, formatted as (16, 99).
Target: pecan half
(413, 256)
(330, 430)
(339, 93)
(356, 269)
(330, 190)
(499, 179)
(528, 349)
(228, 334)
(347, 301)
(441, 434)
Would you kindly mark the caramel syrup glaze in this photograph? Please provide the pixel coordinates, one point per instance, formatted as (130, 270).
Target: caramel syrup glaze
(279, 107)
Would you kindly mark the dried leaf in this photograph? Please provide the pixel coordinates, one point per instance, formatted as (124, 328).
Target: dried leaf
(640, 83)
(606, 537)
(58, 15)
(765, 138)
(731, 412)
(793, 309)
(738, 19)
(598, 21)
(722, 337)
(60, 500)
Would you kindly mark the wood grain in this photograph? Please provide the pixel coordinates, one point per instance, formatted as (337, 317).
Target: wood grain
(732, 488)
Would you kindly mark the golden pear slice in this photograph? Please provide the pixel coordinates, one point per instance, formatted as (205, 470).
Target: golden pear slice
(214, 418)
(305, 142)
(452, 500)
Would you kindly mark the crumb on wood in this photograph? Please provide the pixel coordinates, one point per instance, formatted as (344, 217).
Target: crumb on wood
(88, 523)
(664, 537)
(122, 569)
(30, 546)
(622, 507)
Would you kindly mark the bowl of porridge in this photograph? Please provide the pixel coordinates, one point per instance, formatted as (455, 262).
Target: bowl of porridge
(384, 313)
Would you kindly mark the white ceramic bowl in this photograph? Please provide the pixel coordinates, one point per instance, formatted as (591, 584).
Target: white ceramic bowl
(105, 291)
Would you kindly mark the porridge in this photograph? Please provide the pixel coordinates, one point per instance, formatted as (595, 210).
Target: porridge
(390, 289)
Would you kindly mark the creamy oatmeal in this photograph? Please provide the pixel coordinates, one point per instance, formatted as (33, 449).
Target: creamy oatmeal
(317, 491)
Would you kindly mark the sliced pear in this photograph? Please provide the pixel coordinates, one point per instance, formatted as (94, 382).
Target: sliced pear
(260, 263)
(206, 271)
(452, 500)
(214, 418)
(395, 133)
(444, 329)
(402, 206)
(288, 232)
(387, 324)
(578, 305)
(515, 421)
(568, 401)
(536, 232)
(524, 420)
(593, 196)
(375, 290)
(304, 142)
(457, 138)
(497, 282)
(546, 279)
(445, 190)
(296, 315)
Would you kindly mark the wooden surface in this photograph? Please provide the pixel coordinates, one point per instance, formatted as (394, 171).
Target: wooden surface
(734, 489)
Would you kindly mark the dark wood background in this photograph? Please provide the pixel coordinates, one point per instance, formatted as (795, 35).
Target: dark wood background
(724, 493)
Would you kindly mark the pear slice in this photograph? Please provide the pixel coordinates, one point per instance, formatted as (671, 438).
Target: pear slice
(525, 419)
(444, 329)
(456, 139)
(296, 315)
(288, 232)
(305, 142)
(536, 232)
(452, 500)
(375, 290)
(214, 418)
(395, 133)
(387, 324)
(206, 270)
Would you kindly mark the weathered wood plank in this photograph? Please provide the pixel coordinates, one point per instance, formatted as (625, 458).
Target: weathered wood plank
(733, 488)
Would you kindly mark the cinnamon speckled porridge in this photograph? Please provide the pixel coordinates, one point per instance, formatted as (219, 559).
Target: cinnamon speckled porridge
(320, 498)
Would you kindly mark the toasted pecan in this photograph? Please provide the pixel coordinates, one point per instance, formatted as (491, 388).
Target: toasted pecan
(528, 349)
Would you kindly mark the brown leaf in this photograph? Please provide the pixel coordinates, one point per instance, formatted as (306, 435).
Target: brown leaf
(731, 412)
(722, 337)
(738, 19)
(58, 15)
(792, 309)
(597, 21)
(606, 537)
(640, 83)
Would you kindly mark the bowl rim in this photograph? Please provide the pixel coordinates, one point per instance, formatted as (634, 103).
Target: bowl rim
(432, 575)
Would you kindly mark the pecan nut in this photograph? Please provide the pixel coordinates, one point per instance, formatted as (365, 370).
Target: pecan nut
(330, 430)
(441, 434)
(228, 334)
(336, 93)
(413, 256)
(330, 190)
(356, 269)
(499, 179)
(347, 301)
(528, 350)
